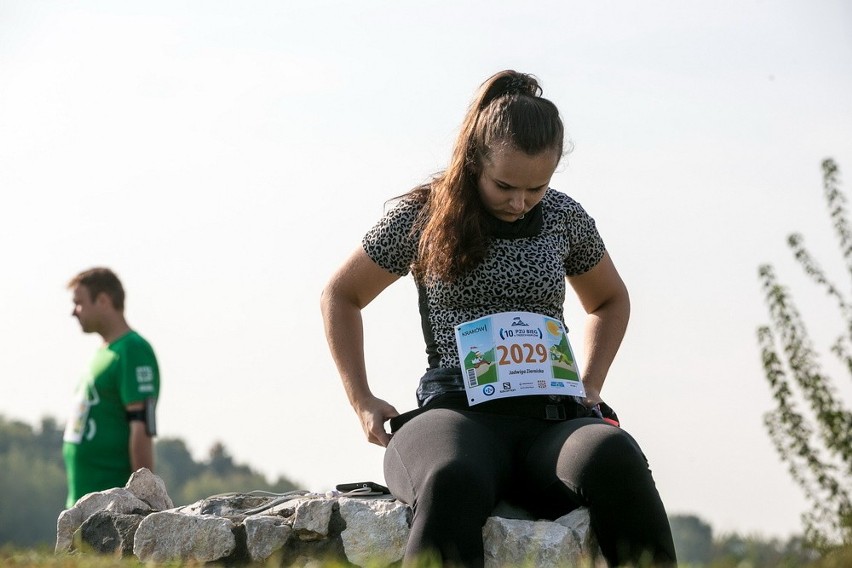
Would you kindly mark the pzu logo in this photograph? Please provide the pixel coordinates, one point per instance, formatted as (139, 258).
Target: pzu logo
(488, 390)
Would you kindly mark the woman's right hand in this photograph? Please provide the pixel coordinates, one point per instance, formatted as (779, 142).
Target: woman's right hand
(373, 412)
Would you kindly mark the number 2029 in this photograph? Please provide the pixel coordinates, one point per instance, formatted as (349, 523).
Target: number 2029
(522, 353)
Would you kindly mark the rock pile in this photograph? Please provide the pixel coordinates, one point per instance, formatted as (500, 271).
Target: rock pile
(293, 529)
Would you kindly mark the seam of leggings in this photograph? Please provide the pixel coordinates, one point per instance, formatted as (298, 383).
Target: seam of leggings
(407, 475)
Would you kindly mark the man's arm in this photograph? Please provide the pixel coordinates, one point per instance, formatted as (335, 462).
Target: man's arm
(141, 445)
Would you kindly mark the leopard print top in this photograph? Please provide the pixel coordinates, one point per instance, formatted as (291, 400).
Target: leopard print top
(517, 274)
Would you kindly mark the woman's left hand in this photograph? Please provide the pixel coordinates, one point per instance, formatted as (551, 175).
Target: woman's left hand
(601, 409)
(593, 396)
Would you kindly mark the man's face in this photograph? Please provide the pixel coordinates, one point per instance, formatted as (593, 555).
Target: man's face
(86, 309)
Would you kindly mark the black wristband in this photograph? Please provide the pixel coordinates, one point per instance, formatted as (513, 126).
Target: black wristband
(608, 412)
(136, 415)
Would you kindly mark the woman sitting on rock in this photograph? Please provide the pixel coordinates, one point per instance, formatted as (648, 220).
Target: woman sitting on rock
(491, 245)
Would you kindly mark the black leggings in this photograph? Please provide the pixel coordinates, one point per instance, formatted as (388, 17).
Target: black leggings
(453, 466)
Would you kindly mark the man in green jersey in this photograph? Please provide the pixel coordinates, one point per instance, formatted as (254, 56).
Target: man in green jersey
(110, 429)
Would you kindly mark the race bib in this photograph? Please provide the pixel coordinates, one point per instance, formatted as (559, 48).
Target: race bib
(77, 418)
(516, 354)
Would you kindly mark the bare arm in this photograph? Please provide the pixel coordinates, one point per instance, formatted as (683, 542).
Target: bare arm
(605, 299)
(349, 290)
(141, 445)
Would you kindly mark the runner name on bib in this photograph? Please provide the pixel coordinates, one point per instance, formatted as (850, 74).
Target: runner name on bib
(516, 354)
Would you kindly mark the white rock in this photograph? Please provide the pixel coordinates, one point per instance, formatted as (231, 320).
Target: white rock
(150, 488)
(68, 522)
(265, 535)
(171, 536)
(511, 542)
(312, 518)
(376, 531)
(118, 500)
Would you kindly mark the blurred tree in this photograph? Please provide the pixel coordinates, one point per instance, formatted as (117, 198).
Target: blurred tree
(14, 434)
(814, 441)
(693, 539)
(220, 461)
(221, 475)
(736, 551)
(32, 482)
(33, 487)
(209, 484)
(174, 464)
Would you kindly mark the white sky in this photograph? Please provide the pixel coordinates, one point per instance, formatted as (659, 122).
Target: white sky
(225, 157)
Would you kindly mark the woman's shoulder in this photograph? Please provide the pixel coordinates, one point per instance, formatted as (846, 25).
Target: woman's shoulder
(562, 203)
(400, 216)
(391, 243)
(400, 213)
(408, 203)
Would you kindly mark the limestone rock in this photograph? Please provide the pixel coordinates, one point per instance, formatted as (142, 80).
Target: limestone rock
(265, 535)
(312, 518)
(108, 532)
(150, 489)
(118, 500)
(68, 522)
(513, 542)
(579, 522)
(237, 529)
(170, 536)
(376, 531)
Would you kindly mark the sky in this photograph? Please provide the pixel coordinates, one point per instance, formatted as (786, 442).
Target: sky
(224, 158)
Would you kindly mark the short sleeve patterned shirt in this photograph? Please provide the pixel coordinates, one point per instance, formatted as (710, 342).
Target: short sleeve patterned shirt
(517, 274)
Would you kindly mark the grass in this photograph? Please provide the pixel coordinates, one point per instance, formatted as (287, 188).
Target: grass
(25, 558)
(44, 557)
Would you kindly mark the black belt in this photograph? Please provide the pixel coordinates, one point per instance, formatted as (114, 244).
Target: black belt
(542, 407)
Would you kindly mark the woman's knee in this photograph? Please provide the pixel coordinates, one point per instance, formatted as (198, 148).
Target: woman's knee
(599, 454)
(618, 449)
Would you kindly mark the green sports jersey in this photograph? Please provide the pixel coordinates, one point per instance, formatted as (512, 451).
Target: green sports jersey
(96, 440)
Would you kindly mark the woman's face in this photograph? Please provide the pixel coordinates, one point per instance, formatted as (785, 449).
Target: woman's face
(513, 182)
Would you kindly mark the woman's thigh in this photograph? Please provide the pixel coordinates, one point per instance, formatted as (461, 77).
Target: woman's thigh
(590, 463)
(471, 452)
(572, 463)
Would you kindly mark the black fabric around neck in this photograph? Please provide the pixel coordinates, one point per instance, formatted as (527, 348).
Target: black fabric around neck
(529, 226)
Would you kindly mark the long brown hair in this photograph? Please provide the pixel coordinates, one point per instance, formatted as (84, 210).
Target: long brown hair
(507, 110)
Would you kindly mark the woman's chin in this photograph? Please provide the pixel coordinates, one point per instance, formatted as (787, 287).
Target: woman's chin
(508, 217)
